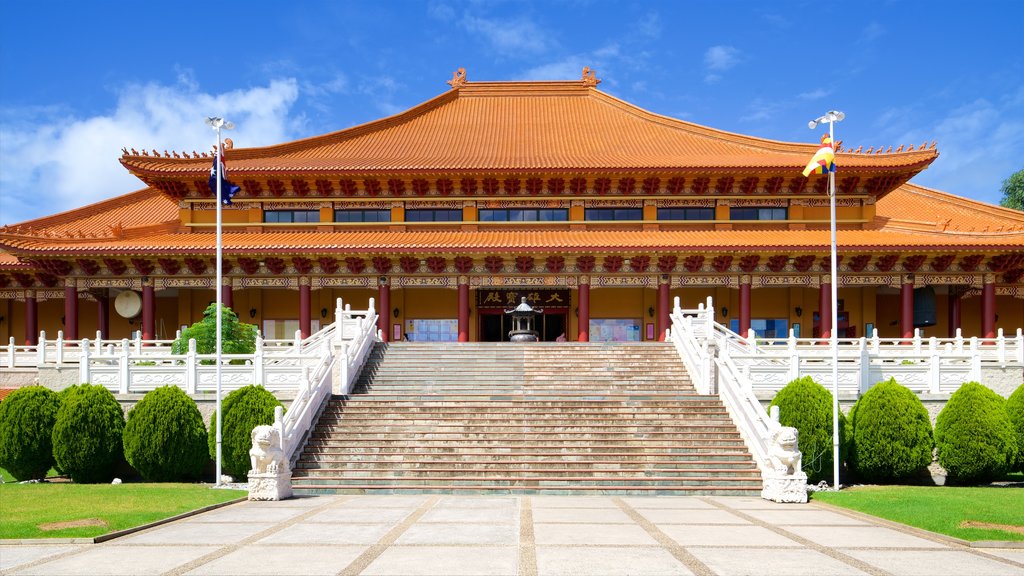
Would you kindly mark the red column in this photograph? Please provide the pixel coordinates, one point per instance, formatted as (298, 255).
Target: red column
(988, 307)
(103, 314)
(227, 295)
(583, 317)
(384, 308)
(907, 307)
(305, 321)
(463, 310)
(148, 312)
(954, 310)
(31, 318)
(744, 306)
(663, 309)
(71, 312)
(825, 307)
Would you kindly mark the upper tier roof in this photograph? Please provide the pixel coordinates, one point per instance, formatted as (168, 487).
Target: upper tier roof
(524, 127)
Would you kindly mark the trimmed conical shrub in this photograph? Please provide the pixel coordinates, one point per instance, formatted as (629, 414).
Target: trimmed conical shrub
(891, 434)
(27, 416)
(87, 434)
(807, 406)
(976, 441)
(1015, 410)
(164, 438)
(242, 410)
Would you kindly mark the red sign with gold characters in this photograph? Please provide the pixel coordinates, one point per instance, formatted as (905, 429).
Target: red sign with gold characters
(506, 298)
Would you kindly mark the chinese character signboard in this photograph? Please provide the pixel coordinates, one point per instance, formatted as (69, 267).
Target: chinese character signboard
(538, 298)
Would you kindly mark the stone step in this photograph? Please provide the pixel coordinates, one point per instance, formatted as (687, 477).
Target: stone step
(559, 420)
(567, 427)
(488, 490)
(727, 475)
(549, 445)
(528, 481)
(419, 459)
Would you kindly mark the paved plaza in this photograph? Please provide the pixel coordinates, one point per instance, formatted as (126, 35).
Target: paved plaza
(527, 535)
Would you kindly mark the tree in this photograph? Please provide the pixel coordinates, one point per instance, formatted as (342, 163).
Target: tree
(236, 337)
(1013, 191)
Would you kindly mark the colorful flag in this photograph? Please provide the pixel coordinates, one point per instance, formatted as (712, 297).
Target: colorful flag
(227, 189)
(824, 159)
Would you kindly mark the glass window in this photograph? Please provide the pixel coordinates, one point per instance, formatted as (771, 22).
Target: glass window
(433, 215)
(524, 215)
(764, 327)
(758, 213)
(290, 216)
(686, 213)
(446, 330)
(614, 330)
(362, 215)
(613, 214)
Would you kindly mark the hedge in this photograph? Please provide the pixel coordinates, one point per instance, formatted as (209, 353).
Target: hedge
(891, 434)
(976, 441)
(807, 406)
(27, 416)
(164, 438)
(241, 411)
(1015, 410)
(87, 434)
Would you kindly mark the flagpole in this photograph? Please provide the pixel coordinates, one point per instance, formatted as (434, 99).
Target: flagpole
(217, 124)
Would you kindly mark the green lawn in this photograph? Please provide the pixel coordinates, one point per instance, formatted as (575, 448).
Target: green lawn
(24, 507)
(939, 509)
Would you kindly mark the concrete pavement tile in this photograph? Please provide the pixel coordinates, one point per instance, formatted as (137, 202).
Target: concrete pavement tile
(683, 516)
(805, 516)
(473, 515)
(843, 537)
(117, 560)
(18, 554)
(445, 561)
(555, 561)
(592, 535)
(340, 514)
(341, 534)
(281, 560)
(572, 502)
(1014, 554)
(751, 503)
(726, 536)
(583, 515)
(297, 502)
(771, 562)
(386, 501)
(668, 502)
(931, 562)
(475, 502)
(460, 534)
(247, 514)
(191, 533)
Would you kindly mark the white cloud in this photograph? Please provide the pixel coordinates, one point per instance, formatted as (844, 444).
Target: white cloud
(871, 32)
(718, 59)
(568, 68)
(73, 161)
(816, 94)
(508, 37)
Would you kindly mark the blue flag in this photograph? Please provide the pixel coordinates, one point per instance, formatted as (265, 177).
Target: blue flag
(227, 189)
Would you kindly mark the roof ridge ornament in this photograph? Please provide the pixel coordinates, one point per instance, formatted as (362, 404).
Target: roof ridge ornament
(458, 79)
(589, 77)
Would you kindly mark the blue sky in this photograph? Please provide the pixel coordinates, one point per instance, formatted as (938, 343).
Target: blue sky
(79, 80)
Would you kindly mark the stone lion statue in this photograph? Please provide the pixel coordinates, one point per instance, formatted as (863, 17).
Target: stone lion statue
(266, 454)
(785, 451)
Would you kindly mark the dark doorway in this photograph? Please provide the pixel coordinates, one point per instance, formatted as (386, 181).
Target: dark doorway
(491, 329)
(554, 327)
(494, 326)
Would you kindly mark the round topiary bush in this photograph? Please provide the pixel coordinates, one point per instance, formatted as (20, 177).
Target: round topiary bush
(87, 434)
(164, 438)
(26, 427)
(1015, 410)
(976, 441)
(807, 406)
(891, 434)
(242, 410)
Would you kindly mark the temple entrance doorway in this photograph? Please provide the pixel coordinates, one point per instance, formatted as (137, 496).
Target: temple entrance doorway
(494, 325)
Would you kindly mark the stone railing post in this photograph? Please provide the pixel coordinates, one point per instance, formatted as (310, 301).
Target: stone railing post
(339, 321)
(709, 314)
(794, 356)
(191, 368)
(297, 341)
(1001, 347)
(934, 366)
(258, 359)
(41, 348)
(343, 357)
(123, 367)
(10, 353)
(59, 352)
(975, 360)
(711, 368)
(865, 365)
(917, 341)
(99, 342)
(138, 342)
(876, 342)
(84, 377)
(1018, 348)
(959, 341)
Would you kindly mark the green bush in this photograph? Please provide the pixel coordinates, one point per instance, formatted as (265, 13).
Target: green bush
(87, 434)
(236, 337)
(807, 406)
(891, 434)
(1015, 410)
(26, 428)
(164, 438)
(241, 411)
(976, 441)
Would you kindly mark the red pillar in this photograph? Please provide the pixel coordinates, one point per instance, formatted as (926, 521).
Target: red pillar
(31, 318)
(663, 309)
(825, 307)
(227, 295)
(954, 310)
(584, 311)
(384, 308)
(907, 308)
(744, 306)
(305, 321)
(71, 312)
(988, 307)
(463, 310)
(103, 314)
(148, 312)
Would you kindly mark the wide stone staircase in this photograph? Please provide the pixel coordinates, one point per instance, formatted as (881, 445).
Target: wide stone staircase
(551, 418)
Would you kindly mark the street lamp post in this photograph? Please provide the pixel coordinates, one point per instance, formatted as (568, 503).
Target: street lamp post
(218, 124)
(833, 116)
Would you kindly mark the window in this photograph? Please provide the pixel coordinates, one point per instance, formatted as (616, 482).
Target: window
(613, 214)
(433, 215)
(446, 330)
(764, 327)
(758, 213)
(524, 215)
(686, 213)
(290, 216)
(362, 215)
(614, 330)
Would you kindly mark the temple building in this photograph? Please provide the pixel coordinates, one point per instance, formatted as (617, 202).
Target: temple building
(596, 211)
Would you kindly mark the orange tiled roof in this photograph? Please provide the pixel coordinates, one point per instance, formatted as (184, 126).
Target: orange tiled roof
(913, 207)
(524, 127)
(135, 213)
